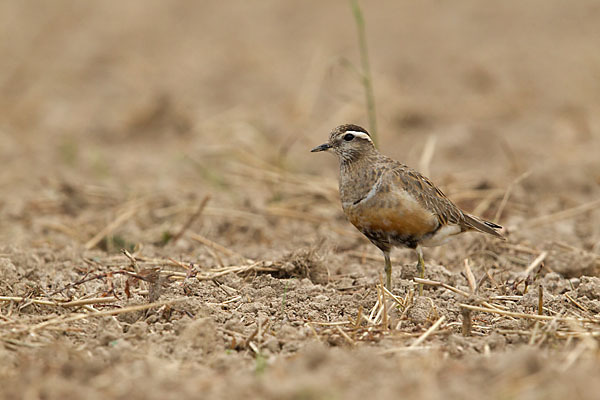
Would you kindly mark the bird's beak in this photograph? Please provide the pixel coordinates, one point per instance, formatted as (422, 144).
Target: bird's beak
(323, 147)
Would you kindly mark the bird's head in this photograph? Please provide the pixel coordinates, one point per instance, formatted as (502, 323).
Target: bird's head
(348, 142)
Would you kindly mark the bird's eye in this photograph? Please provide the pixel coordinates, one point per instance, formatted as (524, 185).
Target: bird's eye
(348, 137)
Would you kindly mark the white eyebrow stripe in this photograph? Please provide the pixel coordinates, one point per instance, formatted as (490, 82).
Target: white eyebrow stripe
(361, 135)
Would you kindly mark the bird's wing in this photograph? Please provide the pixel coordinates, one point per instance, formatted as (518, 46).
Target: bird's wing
(434, 200)
(428, 195)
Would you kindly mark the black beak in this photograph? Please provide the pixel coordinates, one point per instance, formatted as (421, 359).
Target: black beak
(323, 147)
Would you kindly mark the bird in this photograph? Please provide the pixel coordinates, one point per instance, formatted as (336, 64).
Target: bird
(392, 204)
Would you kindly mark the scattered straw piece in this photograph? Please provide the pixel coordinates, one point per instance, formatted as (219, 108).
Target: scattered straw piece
(470, 277)
(345, 335)
(427, 154)
(131, 259)
(366, 256)
(121, 218)
(339, 323)
(218, 247)
(534, 332)
(528, 316)
(393, 296)
(74, 303)
(467, 324)
(358, 317)
(93, 300)
(535, 263)
(442, 284)
(191, 220)
(572, 300)
(508, 192)
(140, 307)
(428, 332)
(314, 331)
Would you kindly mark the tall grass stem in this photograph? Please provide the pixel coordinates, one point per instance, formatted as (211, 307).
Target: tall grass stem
(367, 80)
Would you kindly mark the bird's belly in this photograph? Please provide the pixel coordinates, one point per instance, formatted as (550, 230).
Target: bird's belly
(396, 224)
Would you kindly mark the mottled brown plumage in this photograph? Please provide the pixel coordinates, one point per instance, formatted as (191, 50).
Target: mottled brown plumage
(392, 204)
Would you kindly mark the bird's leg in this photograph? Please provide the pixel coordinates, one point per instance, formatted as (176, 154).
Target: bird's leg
(388, 270)
(421, 268)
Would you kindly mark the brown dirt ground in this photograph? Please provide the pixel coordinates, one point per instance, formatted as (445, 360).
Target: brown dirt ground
(119, 118)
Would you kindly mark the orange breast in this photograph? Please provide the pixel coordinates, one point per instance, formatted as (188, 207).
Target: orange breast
(398, 216)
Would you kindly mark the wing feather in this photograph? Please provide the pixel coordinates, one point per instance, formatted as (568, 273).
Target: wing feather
(434, 200)
(429, 196)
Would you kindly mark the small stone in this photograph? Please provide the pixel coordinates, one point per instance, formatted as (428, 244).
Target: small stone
(589, 287)
(419, 312)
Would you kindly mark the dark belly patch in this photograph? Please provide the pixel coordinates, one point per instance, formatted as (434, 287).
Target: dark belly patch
(385, 241)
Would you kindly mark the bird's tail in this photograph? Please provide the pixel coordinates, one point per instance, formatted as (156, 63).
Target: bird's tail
(484, 226)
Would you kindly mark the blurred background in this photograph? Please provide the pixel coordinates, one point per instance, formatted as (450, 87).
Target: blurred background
(143, 98)
(121, 120)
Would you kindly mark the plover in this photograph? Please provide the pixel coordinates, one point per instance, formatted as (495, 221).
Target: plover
(392, 204)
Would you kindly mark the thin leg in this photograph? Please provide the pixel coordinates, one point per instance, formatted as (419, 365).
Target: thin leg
(421, 268)
(388, 271)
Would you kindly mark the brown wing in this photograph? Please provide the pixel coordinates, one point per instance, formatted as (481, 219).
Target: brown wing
(430, 197)
(433, 199)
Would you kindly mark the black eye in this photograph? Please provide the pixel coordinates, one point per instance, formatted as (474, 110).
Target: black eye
(348, 137)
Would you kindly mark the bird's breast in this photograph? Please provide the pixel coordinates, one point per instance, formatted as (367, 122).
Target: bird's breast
(394, 213)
